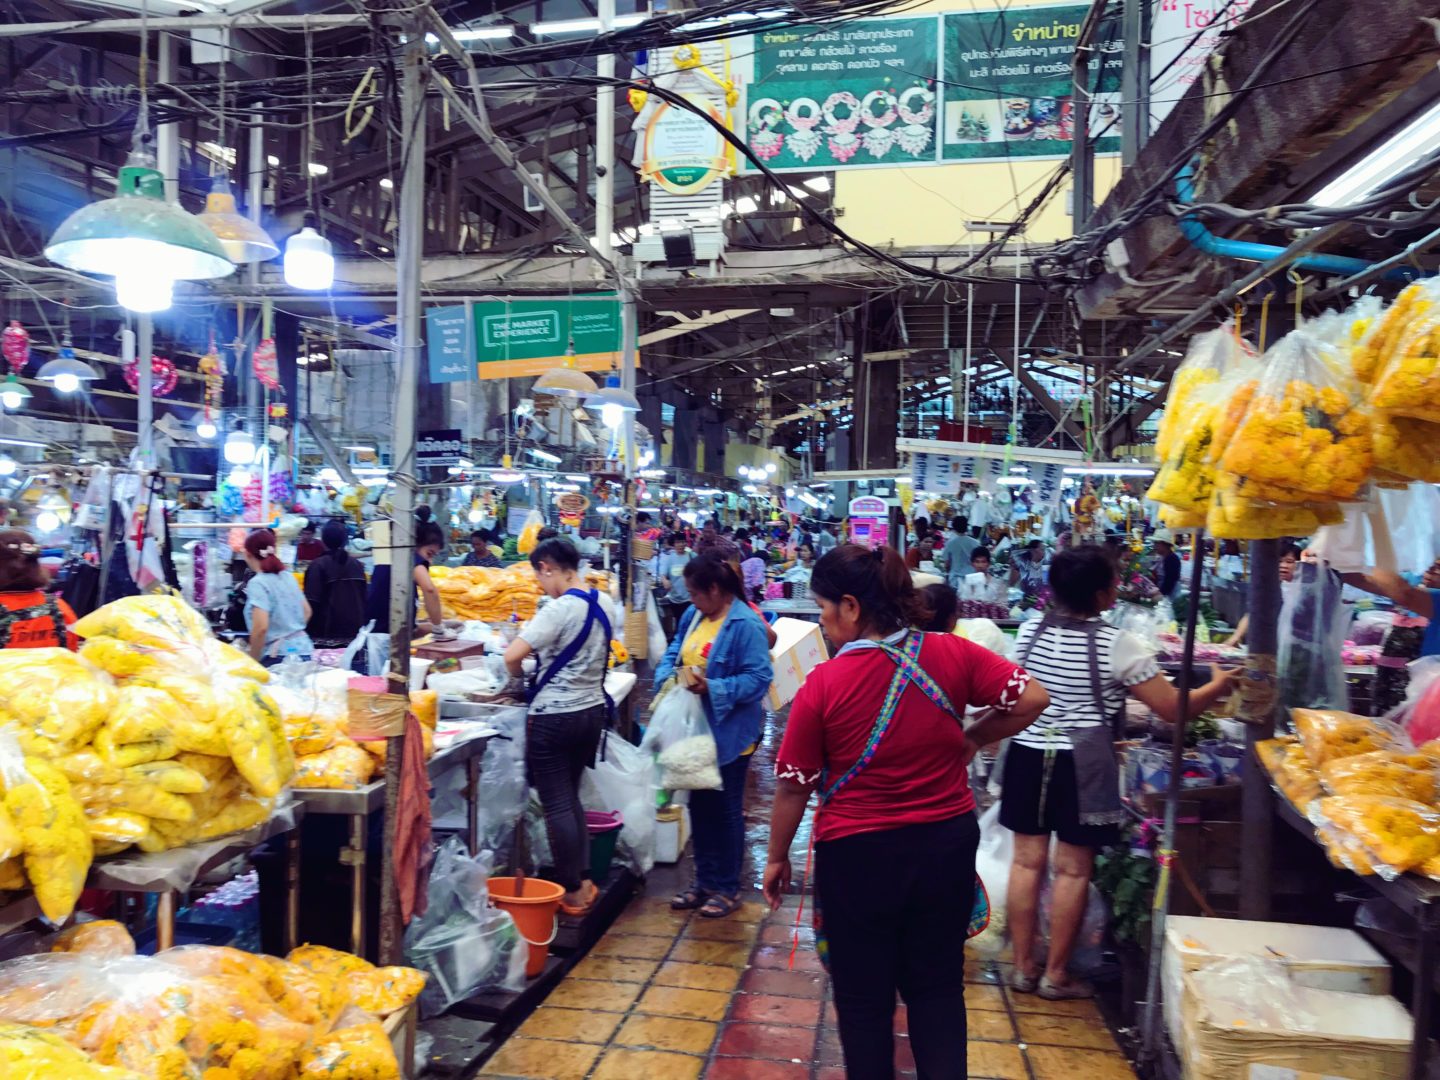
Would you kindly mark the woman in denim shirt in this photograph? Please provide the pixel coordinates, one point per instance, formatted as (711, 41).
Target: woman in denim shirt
(722, 641)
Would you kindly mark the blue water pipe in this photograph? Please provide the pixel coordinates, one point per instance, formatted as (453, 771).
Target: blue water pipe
(1204, 240)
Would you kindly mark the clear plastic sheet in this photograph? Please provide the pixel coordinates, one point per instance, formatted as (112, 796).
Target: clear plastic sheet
(462, 944)
(1313, 627)
(178, 868)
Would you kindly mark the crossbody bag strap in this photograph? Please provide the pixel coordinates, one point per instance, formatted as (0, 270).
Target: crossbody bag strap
(827, 791)
(572, 649)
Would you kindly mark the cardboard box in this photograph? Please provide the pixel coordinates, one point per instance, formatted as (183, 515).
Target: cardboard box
(1319, 957)
(799, 649)
(672, 833)
(1337, 1036)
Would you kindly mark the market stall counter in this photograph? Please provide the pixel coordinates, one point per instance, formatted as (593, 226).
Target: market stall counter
(359, 804)
(1418, 898)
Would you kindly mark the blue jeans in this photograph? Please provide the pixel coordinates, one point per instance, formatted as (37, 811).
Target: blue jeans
(718, 818)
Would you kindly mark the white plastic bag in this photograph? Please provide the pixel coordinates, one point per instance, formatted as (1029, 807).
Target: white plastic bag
(992, 866)
(623, 779)
(679, 737)
(655, 629)
(462, 943)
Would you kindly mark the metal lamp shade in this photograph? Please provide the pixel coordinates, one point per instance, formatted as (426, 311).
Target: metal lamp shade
(244, 241)
(13, 387)
(138, 230)
(612, 394)
(565, 382)
(64, 365)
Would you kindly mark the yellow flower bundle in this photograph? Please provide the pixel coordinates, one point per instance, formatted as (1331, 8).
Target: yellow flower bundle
(1328, 734)
(486, 593)
(1305, 436)
(199, 1013)
(1402, 833)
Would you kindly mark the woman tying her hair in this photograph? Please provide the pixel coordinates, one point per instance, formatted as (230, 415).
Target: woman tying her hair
(877, 732)
(30, 618)
(570, 635)
(722, 643)
(276, 611)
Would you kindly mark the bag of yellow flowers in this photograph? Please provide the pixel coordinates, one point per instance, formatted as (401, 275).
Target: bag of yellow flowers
(1184, 441)
(100, 938)
(29, 1053)
(1401, 833)
(1412, 776)
(337, 767)
(1328, 734)
(1408, 382)
(1305, 436)
(52, 828)
(255, 734)
(55, 699)
(358, 1052)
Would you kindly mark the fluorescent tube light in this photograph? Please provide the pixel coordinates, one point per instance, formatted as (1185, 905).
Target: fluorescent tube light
(1416, 140)
(580, 26)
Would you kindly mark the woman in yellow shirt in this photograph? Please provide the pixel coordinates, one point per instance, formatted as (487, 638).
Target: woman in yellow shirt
(722, 643)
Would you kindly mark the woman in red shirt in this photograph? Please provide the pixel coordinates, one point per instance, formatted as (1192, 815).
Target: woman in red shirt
(895, 835)
(30, 618)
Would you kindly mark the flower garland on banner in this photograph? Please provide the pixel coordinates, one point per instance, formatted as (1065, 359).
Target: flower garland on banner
(914, 137)
(263, 359)
(163, 375)
(765, 116)
(15, 344)
(841, 129)
(878, 138)
(804, 115)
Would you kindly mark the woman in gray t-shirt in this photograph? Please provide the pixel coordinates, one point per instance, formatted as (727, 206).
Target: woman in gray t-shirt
(567, 706)
(276, 611)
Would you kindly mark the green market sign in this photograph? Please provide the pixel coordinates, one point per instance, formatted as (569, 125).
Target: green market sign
(528, 337)
(923, 90)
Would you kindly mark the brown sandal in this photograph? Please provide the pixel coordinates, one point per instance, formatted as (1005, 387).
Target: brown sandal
(578, 910)
(717, 906)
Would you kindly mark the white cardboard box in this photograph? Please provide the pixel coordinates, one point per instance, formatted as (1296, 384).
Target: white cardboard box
(1319, 957)
(672, 833)
(799, 648)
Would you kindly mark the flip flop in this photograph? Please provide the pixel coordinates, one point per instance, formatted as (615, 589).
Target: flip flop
(578, 910)
(1076, 991)
(1023, 984)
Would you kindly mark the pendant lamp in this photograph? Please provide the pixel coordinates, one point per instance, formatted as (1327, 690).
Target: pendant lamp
(14, 393)
(309, 260)
(244, 240)
(137, 236)
(613, 401)
(67, 371)
(566, 380)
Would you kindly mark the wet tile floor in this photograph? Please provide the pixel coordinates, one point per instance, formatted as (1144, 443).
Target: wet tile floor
(672, 996)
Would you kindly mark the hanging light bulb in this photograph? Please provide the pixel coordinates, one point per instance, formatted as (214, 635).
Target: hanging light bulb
(475, 517)
(7, 466)
(144, 291)
(239, 448)
(309, 260)
(66, 372)
(14, 393)
(206, 428)
(770, 467)
(47, 521)
(244, 240)
(613, 401)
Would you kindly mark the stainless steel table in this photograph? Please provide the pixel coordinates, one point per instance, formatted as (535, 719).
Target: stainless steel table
(359, 803)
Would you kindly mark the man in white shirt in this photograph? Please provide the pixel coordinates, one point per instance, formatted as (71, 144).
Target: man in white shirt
(825, 540)
(954, 558)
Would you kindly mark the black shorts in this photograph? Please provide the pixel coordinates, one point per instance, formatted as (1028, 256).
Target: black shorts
(1020, 799)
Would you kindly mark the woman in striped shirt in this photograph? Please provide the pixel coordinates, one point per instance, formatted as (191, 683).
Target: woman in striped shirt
(1060, 773)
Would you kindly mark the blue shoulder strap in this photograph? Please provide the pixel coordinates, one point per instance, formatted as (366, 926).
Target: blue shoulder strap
(593, 613)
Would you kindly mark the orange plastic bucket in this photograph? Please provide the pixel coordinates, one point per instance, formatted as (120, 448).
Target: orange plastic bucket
(536, 914)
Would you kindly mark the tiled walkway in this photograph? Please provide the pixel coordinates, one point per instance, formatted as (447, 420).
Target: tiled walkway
(669, 997)
(672, 996)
